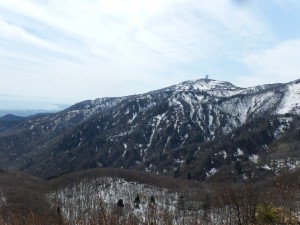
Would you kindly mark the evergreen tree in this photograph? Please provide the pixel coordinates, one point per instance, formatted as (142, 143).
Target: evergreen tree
(152, 200)
(238, 167)
(120, 203)
(180, 203)
(137, 201)
(189, 176)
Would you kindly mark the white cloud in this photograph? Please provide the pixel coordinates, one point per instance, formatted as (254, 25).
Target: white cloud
(277, 64)
(81, 48)
(16, 34)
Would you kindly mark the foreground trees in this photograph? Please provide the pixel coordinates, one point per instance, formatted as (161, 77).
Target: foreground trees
(276, 202)
(249, 203)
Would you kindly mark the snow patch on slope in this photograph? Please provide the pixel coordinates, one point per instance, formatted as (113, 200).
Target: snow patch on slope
(291, 100)
(2, 200)
(213, 87)
(211, 172)
(254, 158)
(86, 197)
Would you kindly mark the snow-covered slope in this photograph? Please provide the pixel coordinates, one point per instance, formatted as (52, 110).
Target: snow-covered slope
(213, 87)
(145, 131)
(290, 103)
(87, 196)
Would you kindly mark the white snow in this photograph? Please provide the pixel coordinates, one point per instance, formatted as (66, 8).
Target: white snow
(187, 99)
(79, 142)
(167, 142)
(244, 177)
(222, 153)
(178, 161)
(279, 130)
(125, 150)
(285, 164)
(2, 199)
(211, 172)
(266, 167)
(156, 121)
(205, 85)
(291, 100)
(151, 137)
(134, 115)
(254, 158)
(84, 198)
(239, 152)
(175, 102)
(294, 165)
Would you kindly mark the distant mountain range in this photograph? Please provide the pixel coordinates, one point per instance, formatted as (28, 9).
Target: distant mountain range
(24, 112)
(8, 121)
(203, 129)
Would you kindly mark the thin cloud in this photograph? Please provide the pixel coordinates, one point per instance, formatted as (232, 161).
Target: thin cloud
(15, 33)
(81, 49)
(4, 95)
(279, 64)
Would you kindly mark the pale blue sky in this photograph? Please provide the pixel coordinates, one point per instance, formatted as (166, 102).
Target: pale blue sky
(55, 52)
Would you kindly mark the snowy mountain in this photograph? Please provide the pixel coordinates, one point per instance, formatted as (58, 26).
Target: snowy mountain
(196, 129)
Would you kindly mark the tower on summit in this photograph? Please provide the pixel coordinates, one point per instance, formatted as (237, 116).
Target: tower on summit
(206, 77)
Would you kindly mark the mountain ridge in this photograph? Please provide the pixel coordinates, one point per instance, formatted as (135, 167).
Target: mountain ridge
(9, 120)
(145, 131)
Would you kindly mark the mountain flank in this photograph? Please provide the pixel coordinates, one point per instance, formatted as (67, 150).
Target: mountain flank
(205, 130)
(8, 121)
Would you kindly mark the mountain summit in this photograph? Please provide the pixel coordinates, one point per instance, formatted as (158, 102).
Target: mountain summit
(206, 85)
(203, 129)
